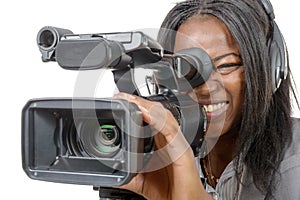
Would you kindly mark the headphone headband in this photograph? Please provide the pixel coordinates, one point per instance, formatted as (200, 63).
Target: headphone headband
(268, 8)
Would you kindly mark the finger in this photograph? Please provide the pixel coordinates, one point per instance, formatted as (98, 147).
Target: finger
(154, 113)
(125, 96)
(133, 99)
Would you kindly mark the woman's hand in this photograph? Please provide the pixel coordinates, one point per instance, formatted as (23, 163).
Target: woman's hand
(179, 177)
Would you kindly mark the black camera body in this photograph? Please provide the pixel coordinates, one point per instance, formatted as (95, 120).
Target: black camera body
(104, 142)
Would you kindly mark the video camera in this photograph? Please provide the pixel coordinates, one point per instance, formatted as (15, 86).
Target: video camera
(104, 142)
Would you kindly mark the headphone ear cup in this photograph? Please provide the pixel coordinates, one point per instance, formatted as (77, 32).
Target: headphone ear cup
(278, 58)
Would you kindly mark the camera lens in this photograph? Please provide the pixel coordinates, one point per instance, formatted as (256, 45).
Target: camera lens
(91, 139)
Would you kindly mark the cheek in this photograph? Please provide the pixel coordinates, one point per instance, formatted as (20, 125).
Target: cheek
(231, 89)
(235, 87)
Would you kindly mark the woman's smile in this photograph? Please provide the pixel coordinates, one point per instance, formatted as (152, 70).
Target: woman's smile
(215, 110)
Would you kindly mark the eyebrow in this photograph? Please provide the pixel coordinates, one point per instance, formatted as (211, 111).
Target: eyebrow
(225, 55)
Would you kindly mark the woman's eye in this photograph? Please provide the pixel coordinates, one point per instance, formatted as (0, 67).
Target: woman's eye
(228, 68)
(227, 65)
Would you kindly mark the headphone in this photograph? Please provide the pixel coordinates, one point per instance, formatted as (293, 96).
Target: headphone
(277, 49)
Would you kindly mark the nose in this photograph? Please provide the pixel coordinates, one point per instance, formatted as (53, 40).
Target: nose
(212, 86)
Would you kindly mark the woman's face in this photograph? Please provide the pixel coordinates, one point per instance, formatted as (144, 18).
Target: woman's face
(223, 94)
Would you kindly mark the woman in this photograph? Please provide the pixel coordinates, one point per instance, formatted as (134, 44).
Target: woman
(256, 155)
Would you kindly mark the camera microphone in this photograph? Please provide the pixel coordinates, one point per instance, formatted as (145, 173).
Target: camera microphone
(47, 39)
(85, 51)
(95, 51)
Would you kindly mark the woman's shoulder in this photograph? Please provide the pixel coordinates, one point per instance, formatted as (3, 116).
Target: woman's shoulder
(294, 147)
(292, 154)
(288, 185)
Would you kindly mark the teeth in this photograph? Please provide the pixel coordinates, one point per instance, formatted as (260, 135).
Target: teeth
(214, 107)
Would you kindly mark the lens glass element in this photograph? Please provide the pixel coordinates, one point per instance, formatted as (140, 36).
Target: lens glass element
(95, 140)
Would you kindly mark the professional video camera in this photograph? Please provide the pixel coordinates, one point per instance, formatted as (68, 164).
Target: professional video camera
(104, 142)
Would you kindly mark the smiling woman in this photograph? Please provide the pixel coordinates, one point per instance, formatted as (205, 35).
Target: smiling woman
(248, 105)
(24, 76)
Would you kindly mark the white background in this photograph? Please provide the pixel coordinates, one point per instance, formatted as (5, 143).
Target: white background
(23, 75)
